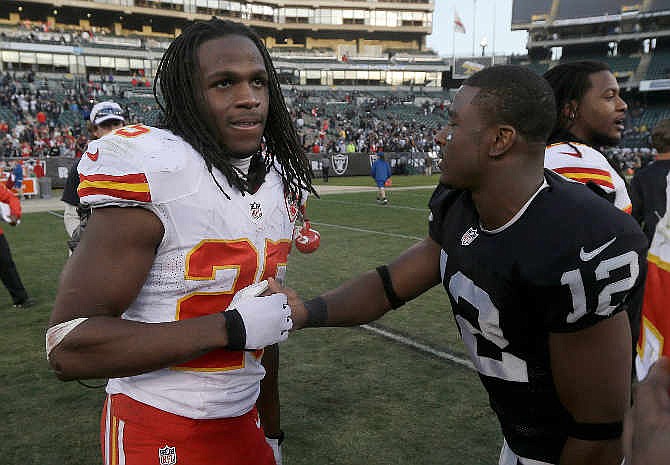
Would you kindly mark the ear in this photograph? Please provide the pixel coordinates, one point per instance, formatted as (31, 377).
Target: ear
(569, 111)
(505, 138)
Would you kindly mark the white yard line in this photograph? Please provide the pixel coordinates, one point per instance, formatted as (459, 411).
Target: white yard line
(368, 231)
(385, 332)
(374, 205)
(399, 338)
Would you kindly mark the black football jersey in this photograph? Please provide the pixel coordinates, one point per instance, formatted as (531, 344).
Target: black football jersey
(568, 260)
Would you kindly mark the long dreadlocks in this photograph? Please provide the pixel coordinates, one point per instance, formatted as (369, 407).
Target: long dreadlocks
(178, 93)
(570, 81)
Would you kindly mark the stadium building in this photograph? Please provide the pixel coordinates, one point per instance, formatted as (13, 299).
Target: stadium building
(322, 42)
(632, 36)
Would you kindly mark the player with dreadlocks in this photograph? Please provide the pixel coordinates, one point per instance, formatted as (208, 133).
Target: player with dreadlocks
(176, 86)
(590, 115)
(191, 221)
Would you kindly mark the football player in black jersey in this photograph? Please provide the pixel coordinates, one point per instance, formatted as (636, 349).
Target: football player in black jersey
(536, 269)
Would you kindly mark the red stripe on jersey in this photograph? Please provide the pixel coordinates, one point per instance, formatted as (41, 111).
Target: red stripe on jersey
(138, 178)
(579, 169)
(121, 194)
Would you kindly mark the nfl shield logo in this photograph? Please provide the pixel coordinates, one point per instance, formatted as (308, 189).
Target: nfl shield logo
(469, 236)
(167, 455)
(255, 211)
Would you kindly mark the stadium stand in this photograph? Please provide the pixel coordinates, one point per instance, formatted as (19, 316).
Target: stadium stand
(629, 35)
(369, 89)
(570, 9)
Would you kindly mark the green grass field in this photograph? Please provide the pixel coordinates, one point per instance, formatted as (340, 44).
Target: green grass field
(349, 396)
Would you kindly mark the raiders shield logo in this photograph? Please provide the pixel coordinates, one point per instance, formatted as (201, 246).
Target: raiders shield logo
(167, 455)
(340, 163)
(255, 211)
(469, 237)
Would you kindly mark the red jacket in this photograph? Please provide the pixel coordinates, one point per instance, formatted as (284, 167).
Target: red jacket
(8, 197)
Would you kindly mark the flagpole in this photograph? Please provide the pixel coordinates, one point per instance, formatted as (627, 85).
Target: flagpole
(453, 41)
(493, 38)
(474, 25)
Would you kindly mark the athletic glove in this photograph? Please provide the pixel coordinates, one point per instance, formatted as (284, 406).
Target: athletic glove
(255, 322)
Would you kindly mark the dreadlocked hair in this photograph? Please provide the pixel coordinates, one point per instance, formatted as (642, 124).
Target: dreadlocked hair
(570, 81)
(177, 90)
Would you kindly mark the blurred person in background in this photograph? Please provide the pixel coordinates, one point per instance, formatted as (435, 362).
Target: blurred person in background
(381, 173)
(10, 210)
(648, 186)
(104, 118)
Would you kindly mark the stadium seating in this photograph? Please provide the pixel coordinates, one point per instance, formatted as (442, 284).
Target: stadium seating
(659, 67)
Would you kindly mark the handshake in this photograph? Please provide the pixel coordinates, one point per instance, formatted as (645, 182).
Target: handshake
(259, 316)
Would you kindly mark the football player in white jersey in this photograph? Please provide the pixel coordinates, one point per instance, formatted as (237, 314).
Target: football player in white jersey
(190, 221)
(590, 114)
(537, 270)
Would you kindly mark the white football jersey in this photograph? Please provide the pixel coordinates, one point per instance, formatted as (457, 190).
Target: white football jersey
(212, 247)
(582, 163)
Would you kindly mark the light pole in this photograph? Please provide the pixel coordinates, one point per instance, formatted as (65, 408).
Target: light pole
(483, 43)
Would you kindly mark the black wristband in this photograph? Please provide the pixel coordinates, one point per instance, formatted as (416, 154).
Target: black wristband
(596, 431)
(317, 312)
(237, 333)
(392, 297)
(280, 437)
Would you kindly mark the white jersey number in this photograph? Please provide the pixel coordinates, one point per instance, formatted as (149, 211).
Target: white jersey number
(508, 367)
(573, 279)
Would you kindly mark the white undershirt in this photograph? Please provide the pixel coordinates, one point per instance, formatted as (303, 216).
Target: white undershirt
(518, 214)
(241, 164)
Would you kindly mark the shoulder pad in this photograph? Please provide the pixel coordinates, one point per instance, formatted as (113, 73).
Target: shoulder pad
(137, 165)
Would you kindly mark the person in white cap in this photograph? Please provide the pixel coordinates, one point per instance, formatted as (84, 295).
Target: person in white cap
(105, 117)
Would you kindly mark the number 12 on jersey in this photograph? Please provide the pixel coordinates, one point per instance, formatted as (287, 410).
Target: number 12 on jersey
(574, 280)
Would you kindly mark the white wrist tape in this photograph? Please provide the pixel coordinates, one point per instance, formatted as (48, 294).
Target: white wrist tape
(276, 449)
(57, 333)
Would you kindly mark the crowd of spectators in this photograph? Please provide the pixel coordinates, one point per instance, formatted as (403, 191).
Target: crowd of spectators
(627, 160)
(40, 119)
(363, 123)
(32, 123)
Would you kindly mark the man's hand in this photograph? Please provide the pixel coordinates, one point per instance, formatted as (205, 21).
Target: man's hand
(13, 220)
(258, 322)
(647, 426)
(298, 310)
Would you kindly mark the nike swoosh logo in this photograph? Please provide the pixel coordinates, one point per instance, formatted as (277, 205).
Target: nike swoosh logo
(93, 156)
(572, 154)
(586, 256)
